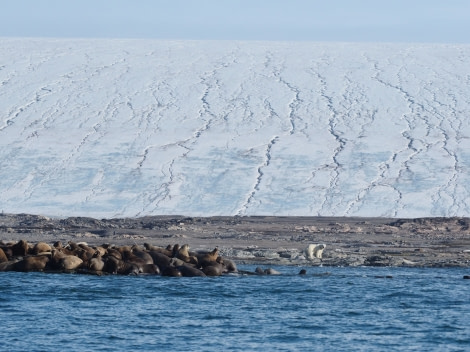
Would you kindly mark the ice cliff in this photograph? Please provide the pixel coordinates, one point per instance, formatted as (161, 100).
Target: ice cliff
(109, 128)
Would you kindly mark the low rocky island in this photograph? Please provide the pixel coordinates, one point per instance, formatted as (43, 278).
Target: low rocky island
(262, 240)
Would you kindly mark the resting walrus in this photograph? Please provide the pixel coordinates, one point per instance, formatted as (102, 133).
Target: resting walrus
(31, 263)
(3, 256)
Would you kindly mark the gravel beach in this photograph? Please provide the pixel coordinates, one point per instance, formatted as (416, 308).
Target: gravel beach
(421, 242)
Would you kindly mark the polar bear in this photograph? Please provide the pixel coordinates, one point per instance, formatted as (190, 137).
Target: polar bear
(314, 251)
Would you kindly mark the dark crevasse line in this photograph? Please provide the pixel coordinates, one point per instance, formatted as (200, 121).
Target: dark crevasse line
(259, 177)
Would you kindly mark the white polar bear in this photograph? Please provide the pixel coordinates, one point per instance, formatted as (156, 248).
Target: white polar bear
(314, 251)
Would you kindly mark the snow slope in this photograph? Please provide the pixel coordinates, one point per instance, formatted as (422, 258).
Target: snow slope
(108, 128)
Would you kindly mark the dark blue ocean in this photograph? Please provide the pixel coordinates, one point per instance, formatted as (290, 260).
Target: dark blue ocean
(334, 309)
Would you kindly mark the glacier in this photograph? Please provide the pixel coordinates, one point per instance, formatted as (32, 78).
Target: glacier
(128, 128)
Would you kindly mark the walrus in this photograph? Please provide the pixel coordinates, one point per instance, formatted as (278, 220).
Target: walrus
(62, 261)
(96, 263)
(3, 256)
(259, 271)
(112, 252)
(20, 248)
(150, 247)
(128, 269)
(183, 252)
(72, 246)
(64, 250)
(31, 263)
(171, 271)
(216, 269)
(70, 262)
(131, 258)
(175, 250)
(149, 269)
(168, 251)
(101, 250)
(145, 256)
(142, 266)
(160, 259)
(88, 252)
(230, 266)
(8, 252)
(190, 271)
(41, 247)
(271, 271)
(8, 266)
(124, 249)
(268, 271)
(123, 267)
(184, 255)
(207, 257)
(56, 256)
(84, 254)
(111, 264)
(177, 262)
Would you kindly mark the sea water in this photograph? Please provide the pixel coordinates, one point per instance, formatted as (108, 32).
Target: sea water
(335, 309)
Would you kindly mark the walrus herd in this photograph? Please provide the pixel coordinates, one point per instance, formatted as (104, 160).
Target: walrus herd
(174, 260)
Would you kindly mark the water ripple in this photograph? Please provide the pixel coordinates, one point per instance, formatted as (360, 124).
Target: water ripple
(350, 309)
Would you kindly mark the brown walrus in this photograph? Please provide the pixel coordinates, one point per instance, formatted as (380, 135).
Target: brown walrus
(174, 251)
(112, 252)
(177, 262)
(121, 260)
(90, 251)
(96, 263)
(149, 269)
(145, 256)
(190, 271)
(168, 251)
(131, 258)
(111, 264)
(7, 266)
(62, 261)
(160, 259)
(124, 249)
(171, 271)
(208, 257)
(215, 269)
(150, 247)
(41, 247)
(268, 271)
(185, 256)
(230, 266)
(31, 263)
(128, 268)
(70, 262)
(3, 256)
(20, 248)
(101, 250)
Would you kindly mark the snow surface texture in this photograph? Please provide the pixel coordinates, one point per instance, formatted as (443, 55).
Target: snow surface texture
(109, 128)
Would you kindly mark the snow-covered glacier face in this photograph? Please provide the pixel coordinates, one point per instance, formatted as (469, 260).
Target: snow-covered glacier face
(109, 128)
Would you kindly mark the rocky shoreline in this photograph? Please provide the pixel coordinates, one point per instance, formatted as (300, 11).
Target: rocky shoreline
(266, 240)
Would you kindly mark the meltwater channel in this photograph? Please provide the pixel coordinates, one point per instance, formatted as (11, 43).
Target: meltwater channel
(338, 309)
